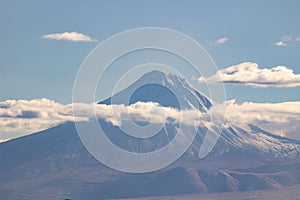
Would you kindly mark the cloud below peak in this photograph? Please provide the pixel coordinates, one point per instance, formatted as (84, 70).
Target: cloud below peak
(278, 118)
(23, 116)
(70, 36)
(249, 73)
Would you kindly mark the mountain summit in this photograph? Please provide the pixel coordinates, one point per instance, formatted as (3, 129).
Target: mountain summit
(165, 89)
(54, 164)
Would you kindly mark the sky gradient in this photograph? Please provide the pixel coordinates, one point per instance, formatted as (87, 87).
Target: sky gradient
(35, 67)
(43, 45)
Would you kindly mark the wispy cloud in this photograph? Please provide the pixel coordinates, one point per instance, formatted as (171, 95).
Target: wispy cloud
(298, 39)
(222, 40)
(70, 36)
(285, 41)
(249, 73)
(219, 41)
(280, 44)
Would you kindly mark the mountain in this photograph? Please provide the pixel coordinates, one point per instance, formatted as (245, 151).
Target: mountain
(172, 91)
(166, 89)
(54, 164)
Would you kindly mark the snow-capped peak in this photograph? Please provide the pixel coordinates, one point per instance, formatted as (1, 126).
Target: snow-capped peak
(165, 88)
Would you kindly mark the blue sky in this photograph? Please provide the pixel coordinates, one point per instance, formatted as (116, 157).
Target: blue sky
(33, 67)
(42, 70)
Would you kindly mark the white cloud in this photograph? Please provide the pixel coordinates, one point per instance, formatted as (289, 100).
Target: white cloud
(250, 74)
(278, 118)
(298, 39)
(284, 41)
(222, 40)
(22, 116)
(139, 111)
(281, 44)
(25, 117)
(219, 41)
(70, 36)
